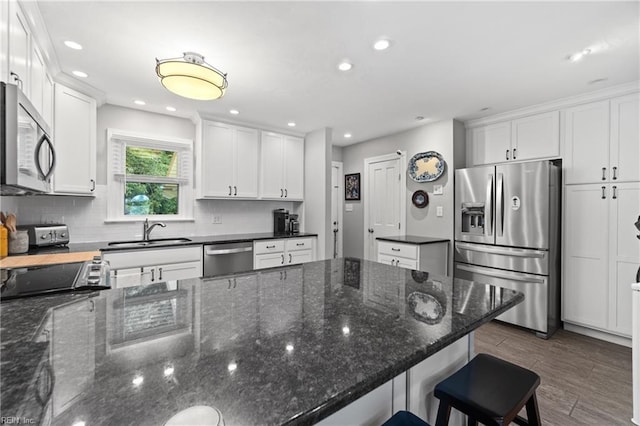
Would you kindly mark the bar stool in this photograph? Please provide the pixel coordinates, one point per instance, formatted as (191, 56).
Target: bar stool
(405, 418)
(490, 391)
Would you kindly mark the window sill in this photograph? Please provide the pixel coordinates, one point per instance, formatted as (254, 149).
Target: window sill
(151, 218)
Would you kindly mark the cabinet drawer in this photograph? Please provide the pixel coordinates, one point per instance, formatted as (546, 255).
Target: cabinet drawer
(298, 244)
(409, 251)
(146, 257)
(268, 246)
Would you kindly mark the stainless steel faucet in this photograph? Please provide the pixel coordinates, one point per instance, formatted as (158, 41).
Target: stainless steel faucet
(146, 230)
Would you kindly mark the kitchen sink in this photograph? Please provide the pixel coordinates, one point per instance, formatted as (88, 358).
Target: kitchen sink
(155, 242)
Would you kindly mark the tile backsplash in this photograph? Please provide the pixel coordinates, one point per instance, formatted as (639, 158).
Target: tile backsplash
(85, 217)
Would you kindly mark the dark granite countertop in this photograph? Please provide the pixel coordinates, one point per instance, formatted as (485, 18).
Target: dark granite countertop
(281, 346)
(413, 239)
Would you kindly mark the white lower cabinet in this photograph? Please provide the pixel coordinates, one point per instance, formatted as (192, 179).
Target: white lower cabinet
(286, 251)
(432, 257)
(601, 255)
(138, 267)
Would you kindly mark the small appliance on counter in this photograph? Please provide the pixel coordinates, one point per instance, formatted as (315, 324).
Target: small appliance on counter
(294, 224)
(281, 222)
(49, 234)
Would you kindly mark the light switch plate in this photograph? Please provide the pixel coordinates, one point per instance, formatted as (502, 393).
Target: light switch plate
(217, 219)
(437, 189)
(439, 211)
(348, 207)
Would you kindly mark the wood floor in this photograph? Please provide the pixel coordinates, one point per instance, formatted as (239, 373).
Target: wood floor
(584, 381)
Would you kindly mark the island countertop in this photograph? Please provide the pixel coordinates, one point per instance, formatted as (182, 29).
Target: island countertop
(287, 345)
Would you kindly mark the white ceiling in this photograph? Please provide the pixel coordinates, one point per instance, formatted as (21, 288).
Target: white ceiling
(447, 60)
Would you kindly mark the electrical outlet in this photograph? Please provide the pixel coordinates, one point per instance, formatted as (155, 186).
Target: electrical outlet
(217, 219)
(51, 218)
(437, 189)
(439, 211)
(348, 207)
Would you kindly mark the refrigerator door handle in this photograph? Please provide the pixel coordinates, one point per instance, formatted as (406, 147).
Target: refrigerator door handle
(488, 207)
(500, 251)
(500, 205)
(514, 276)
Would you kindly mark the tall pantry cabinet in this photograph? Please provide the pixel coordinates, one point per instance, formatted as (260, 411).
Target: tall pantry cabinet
(602, 201)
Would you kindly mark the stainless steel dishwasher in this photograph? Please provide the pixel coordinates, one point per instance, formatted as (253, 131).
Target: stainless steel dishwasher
(228, 258)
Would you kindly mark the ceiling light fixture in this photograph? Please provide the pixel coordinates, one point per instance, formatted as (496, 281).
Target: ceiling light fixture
(234, 111)
(381, 44)
(347, 135)
(291, 124)
(344, 66)
(73, 45)
(191, 77)
(139, 102)
(579, 55)
(170, 108)
(80, 74)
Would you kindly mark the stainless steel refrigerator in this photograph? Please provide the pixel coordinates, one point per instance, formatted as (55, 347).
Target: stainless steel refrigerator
(508, 234)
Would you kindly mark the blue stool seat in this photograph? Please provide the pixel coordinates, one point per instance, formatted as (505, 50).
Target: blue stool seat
(491, 391)
(405, 418)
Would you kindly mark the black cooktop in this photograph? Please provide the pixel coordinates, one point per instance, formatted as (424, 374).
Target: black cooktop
(38, 280)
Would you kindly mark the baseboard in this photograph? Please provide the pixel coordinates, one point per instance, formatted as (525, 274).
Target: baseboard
(597, 334)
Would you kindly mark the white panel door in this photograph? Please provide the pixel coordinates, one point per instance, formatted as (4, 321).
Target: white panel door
(217, 161)
(293, 168)
(586, 157)
(585, 284)
(383, 202)
(246, 163)
(537, 136)
(271, 166)
(624, 253)
(625, 139)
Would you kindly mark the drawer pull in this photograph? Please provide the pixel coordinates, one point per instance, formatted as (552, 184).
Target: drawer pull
(273, 246)
(395, 249)
(299, 244)
(290, 258)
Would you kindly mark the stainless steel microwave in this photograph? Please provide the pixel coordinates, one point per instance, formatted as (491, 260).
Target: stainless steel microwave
(28, 157)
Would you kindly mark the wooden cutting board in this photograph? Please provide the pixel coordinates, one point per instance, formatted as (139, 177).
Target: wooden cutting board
(46, 259)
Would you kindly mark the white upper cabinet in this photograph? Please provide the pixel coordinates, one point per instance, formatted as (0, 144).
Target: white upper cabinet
(602, 141)
(19, 48)
(527, 138)
(75, 142)
(227, 164)
(282, 167)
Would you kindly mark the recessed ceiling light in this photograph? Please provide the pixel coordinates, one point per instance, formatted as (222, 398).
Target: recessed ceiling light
(139, 102)
(234, 111)
(73, 45)
(485, 109)
(344, 66)
(597, 80)
(80, 74)
(578, 55)
(170, 108)
(419, 118)
(381, 44)
(291, 124)
(347, 135)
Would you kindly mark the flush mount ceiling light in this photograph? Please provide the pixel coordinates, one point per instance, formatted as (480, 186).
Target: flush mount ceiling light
(382, 44)
(191, 77)
(579, 55)
(345, 66)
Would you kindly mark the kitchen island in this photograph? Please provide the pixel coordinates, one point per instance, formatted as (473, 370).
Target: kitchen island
(337, 341)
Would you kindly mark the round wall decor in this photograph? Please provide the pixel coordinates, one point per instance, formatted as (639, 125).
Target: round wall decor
(420, 199)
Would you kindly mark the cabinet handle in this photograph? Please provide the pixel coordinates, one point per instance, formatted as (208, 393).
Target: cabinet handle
(160, 274)
(603, 195)
(273, 246)
(395, 249)
(615, 192)
(514, 153)
(229, 189)
(285, 193)
(235, 190)
(604, 173)
(615, 173)
(92, 306)
(153, 275)
(282, 256)
(93, 185)
(289, 257)
(17, 79)
(506, 155)
(299, 244)
(281, 193)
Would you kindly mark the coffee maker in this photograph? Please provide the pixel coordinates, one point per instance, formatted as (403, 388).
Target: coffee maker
(294, 224)
(281, 222)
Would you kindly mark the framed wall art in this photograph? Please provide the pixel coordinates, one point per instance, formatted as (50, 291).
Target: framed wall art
(352, 187)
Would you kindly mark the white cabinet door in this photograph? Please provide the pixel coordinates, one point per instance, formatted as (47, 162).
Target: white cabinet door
(293, 168)
(585, 284)
(217, 162)
(246, 163)
(537, 136)
(491, 144)
(178, 271)
(386, 259)
(37, 80)
(19, 51)
(625, 139)
(299, 256)
(48, 94)
(269, 260)
(271, 166)
(586, 133)
(624, 253)
(75, 142)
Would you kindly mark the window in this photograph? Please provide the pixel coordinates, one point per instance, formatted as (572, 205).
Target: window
(149, 177)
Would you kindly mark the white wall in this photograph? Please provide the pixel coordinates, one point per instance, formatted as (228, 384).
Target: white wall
(317, 189)
(445, 137)
(85, 215)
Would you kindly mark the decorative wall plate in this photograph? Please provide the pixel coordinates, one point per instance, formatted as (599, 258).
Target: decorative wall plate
(420, 199)
(426, 166)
